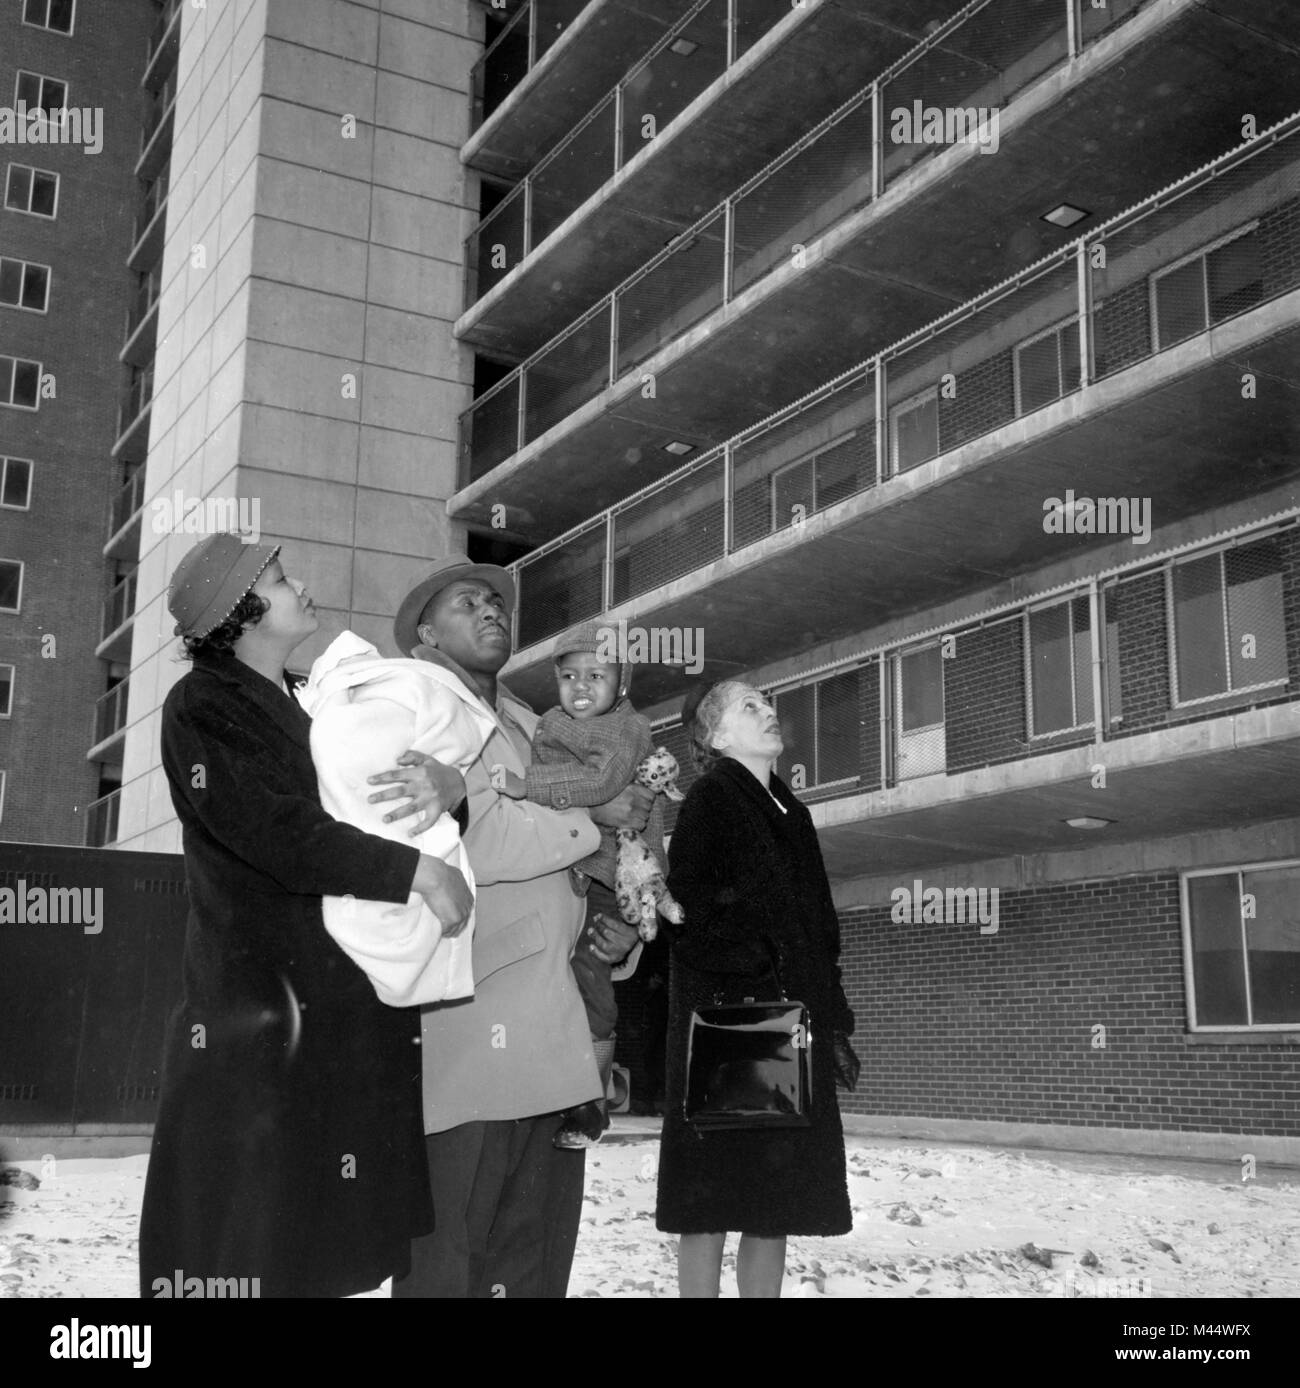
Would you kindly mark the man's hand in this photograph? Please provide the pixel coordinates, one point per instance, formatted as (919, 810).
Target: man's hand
(611, 940)
(432, 787)
(445, 892)
(629, 809)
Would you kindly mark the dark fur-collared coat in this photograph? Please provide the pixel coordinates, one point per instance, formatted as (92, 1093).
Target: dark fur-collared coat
(748, 873)
(288, 1144)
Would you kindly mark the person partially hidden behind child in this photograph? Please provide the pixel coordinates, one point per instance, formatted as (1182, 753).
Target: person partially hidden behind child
(585, 751)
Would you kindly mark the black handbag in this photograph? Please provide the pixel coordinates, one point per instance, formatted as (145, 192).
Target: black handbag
(747, 1065)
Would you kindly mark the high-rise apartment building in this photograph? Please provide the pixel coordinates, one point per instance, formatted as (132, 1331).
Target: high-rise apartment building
(932, 368)
(78, 95)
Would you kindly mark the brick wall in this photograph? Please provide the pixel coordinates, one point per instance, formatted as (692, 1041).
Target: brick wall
(984, 697)
(60, 539)
(953, 1024)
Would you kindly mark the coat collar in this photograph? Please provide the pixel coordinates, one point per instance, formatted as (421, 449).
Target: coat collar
(437, 657)
(275, 701)
(731, 771)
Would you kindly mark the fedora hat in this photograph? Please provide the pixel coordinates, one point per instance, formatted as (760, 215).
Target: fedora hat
(406, 623)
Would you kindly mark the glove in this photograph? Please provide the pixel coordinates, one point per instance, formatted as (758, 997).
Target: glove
(847, 1065)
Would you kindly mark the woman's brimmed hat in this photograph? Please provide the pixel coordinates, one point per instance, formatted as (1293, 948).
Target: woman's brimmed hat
(209, 583)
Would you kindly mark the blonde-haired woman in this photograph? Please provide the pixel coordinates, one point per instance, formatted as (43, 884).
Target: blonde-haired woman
(746, 866)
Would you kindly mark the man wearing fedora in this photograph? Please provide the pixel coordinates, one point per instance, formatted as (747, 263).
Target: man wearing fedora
(498, 1068)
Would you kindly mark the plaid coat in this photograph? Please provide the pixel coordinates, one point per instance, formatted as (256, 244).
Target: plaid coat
(580, 762)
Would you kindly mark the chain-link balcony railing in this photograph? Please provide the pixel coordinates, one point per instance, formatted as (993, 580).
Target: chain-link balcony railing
(1219, 243)
(137, 398)
(110, 712)
(157, 111)
(973, 65)
(692, 55)
(528, 36)
(901, 711)
(101, 820)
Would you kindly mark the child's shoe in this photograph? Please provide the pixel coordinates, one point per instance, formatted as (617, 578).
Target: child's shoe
(582, 1126)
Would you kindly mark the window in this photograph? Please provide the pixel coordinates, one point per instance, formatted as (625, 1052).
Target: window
(11, 585)
(1215, 283)
(20, 383)
(37, 93)
(24, 284)
(31, 190)
(15, 483)
(815, 482)
(1241, 930)
(4, 777)
(50, 14)
(914, 426)
(1047, 366)
(1227, 622)
(6, 690)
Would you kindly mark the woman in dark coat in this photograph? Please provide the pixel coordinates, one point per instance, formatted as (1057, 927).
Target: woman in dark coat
(747, 869)
(289, 1145)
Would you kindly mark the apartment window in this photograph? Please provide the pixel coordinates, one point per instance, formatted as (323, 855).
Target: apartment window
(37, 93)
(920, 742)
(1205, 288)
(1058, 667)
(15, 483)
(57, 15)
(11, 585)
(914, 430)
(815, 482)
(1227, 622)
(24, 284)
(6, 690)
(1047, 366)
(35, 191)
(1241, 932)
(20, 383)
(4, 778)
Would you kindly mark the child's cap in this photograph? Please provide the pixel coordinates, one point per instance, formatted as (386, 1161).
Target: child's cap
(588, 638)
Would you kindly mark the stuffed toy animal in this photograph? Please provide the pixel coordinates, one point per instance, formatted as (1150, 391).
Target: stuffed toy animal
(639, 886)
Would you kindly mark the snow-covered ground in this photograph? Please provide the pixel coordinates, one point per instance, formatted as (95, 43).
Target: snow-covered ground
(930, 1219)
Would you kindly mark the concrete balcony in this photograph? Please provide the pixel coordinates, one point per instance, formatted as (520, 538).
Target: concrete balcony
(164, 46)
(728, 326)
(101, 820)
(124, 519)
(550, 62)
(972, 440)
(728, 88)
(110, 725)
(119, 613)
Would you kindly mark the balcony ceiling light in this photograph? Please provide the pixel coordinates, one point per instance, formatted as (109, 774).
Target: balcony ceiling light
(683, 47)
(1088, 822)
(677, 448)
(1065, 215)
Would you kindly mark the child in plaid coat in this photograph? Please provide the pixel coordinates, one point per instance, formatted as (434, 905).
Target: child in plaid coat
(585, 752)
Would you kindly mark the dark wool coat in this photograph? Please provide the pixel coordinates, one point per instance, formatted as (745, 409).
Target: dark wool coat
(288, 1144)
(750, 878)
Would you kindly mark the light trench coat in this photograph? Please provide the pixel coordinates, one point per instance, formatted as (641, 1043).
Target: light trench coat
(366, 711)
(521, 1046)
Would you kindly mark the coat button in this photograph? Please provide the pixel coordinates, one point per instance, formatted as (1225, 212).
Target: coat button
(573, 833)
